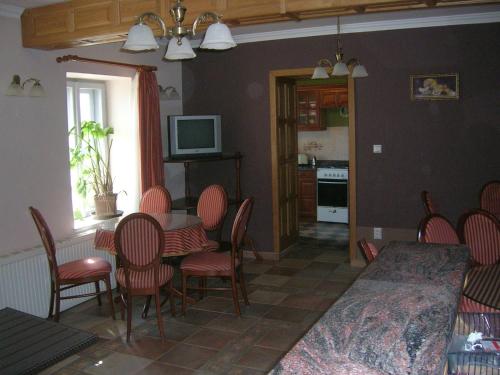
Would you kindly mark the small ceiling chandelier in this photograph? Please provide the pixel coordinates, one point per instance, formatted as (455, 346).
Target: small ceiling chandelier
(340, 68)
(141, 38)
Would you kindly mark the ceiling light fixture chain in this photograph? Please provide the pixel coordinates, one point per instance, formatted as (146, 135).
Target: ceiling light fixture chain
(353, 67)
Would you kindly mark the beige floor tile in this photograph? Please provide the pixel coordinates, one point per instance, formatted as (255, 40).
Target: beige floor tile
(271, 280)
(267, 297)
(118, 363)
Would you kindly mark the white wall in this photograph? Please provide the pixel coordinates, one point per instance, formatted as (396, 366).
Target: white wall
(33, 132)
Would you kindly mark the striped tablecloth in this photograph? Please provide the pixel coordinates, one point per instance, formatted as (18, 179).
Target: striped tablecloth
(483, 285)
(184, 234)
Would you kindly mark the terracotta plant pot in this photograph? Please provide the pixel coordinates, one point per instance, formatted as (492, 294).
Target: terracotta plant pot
(105, 205)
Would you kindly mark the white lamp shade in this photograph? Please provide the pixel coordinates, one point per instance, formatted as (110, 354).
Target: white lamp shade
(218, 36)
(140, 38)
(340, 69)
(359, 71)
(320, 73)
(37, 90)
(14, 89)
(179, 52)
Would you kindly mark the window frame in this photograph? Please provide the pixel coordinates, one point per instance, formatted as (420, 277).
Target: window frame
(99, 114)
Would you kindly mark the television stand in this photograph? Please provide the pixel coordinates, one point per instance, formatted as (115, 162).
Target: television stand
(189, 202)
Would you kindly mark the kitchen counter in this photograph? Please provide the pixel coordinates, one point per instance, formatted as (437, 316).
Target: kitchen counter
(322, 164)
(397, 317)
(306, 167)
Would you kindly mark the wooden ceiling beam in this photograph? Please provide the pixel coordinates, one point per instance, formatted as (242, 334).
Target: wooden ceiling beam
(86, 22)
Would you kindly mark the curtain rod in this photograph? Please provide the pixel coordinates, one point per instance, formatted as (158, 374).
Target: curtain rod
(148, 68)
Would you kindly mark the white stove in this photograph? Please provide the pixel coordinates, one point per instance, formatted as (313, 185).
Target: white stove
(332, 194)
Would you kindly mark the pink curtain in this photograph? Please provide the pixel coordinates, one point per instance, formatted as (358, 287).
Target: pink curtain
(152, 172)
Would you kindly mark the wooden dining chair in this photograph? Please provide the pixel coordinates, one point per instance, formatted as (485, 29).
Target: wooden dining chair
(489, 199)
(71, 274)
(212, 210)
(156, 199)
(139, 242)
(430, 206)
(480, 231)
(221, 265)
(369, 250)
(436, 228)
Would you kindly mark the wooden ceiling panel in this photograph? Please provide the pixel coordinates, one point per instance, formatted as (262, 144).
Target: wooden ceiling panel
(86, 22)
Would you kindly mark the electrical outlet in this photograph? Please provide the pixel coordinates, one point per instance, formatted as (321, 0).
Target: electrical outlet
(377, 233)
(377, 149)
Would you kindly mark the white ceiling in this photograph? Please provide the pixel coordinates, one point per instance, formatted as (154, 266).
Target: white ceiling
(29, 3)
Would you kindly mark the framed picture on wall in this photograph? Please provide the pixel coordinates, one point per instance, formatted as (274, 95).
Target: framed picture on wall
(434, 86)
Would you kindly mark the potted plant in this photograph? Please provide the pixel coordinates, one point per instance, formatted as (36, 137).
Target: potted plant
(91, 156)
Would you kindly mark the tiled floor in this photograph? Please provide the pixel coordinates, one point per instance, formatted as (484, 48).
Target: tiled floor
(286, 298)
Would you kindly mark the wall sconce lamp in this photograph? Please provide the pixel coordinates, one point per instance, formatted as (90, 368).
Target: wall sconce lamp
(141, 38)
(340, 68)
(168, 93)
(16, 88)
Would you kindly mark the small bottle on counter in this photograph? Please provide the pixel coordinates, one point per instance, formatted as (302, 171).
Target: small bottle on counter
(313, 161)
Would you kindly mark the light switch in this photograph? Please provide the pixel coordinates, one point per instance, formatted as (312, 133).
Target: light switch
(377, 149)
(377, 233)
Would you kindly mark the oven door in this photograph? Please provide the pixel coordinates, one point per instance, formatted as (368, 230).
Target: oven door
(332, 193)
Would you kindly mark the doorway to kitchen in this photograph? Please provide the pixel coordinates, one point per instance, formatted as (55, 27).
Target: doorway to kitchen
(287, 184)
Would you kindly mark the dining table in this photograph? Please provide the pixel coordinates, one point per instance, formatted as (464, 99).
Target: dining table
(483, 285)
(184, 234)
(396, 318)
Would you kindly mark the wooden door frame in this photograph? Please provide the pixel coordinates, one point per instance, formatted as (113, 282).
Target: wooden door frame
(274, 75)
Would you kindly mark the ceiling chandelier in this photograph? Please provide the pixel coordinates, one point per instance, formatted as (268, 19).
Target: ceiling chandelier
(141, 38)
(340, 68)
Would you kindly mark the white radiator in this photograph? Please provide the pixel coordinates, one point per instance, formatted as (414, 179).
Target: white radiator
(25, 279)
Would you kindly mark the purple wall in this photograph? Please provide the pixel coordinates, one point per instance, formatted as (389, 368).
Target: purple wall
(447, 147)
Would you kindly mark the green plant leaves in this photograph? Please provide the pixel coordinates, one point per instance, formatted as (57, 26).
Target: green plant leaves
(91, 157)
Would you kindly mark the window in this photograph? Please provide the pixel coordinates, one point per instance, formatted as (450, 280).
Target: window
(86, 102)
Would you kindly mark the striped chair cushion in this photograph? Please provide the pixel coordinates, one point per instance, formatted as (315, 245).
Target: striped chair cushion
(208, 262)
(470, 306)
(145, 279)
(211, 245)
(439, 230)
(139, 240)
(88, 267)
(482, 235)
(490, 198)
(212, 207)
(156, 200)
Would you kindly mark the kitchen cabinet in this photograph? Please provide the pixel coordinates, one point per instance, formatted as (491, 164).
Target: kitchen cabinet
(308, 117)
(333, 98)
(313, 101)
(307, 194)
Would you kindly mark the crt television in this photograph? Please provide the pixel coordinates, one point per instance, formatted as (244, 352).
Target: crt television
(194, 135)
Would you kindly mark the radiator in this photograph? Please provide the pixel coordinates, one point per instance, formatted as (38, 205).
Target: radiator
(25, 279)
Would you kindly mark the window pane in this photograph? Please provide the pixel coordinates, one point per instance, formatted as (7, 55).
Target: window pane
(86, 105)
(89, 107)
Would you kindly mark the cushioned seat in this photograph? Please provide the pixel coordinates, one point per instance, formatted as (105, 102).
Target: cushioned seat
(471, 306)
(72, 274)
(225, 265)
(139, 242)
(145, 279)
(208, 262)
(88, 267)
